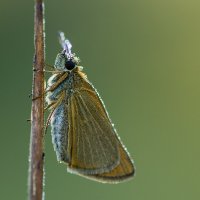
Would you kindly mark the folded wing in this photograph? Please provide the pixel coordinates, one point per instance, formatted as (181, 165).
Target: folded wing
(94, 147)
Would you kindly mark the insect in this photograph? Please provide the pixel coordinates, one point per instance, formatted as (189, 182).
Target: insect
(83, 135)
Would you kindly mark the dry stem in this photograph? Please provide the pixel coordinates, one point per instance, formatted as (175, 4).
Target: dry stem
(36, 157)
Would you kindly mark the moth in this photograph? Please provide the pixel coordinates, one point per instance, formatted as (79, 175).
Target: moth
(83, 135)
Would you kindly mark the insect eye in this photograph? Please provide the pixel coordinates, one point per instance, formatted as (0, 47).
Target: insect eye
(70, 65)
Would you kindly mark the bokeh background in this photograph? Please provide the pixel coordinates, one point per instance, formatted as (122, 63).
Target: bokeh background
(143, 57)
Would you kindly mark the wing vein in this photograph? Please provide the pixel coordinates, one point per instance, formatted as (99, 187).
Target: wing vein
(95, 120)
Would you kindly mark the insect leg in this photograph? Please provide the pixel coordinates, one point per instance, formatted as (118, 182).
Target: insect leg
(49, 66)
(54, 86)
(53, 106)
(59, 81)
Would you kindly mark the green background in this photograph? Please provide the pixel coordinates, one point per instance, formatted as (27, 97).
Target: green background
(143, 57)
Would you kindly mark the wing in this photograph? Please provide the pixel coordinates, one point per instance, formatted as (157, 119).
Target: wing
(94, 147)
(96, 151)
(124, 171)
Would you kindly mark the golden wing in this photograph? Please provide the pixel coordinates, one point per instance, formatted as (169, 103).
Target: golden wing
(94, 147)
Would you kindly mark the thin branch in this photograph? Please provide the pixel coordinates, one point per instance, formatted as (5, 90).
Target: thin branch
(36, 156)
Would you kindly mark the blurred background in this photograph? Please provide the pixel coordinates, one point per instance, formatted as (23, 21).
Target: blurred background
(143, 57)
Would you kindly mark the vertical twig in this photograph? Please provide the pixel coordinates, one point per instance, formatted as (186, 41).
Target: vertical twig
(36, 155)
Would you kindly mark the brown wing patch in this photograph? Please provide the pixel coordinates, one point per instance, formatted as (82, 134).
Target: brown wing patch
(123, 171)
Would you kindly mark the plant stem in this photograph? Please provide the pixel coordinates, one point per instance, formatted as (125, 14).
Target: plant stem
(36, 155)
